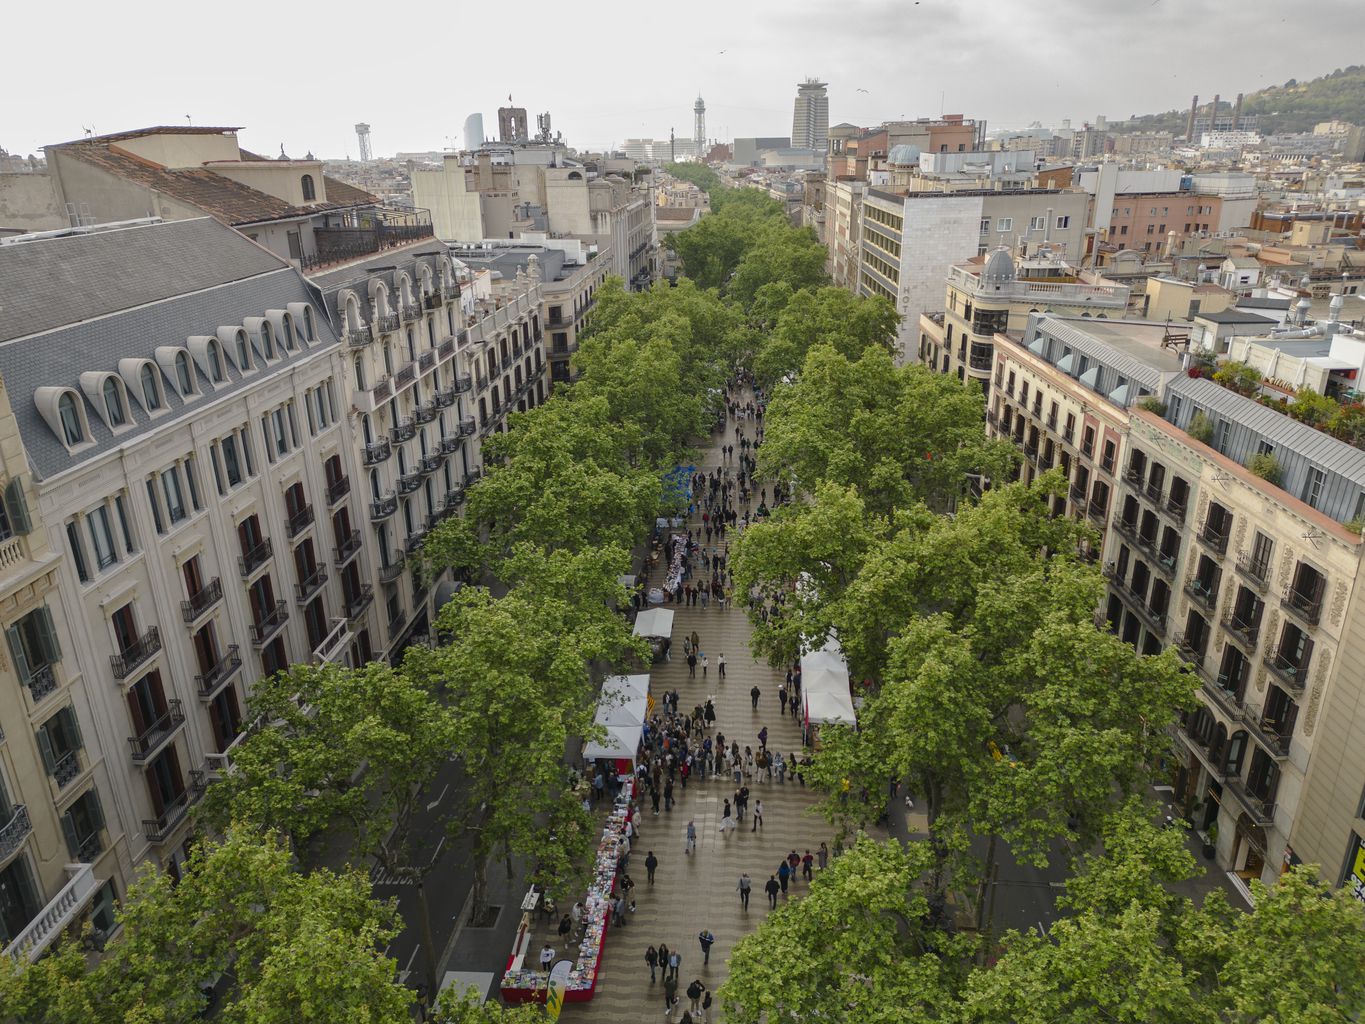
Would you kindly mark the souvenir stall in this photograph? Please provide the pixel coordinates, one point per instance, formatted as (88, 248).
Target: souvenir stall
(825, 692)
(523, 983)
(655, 625)
(622, 711)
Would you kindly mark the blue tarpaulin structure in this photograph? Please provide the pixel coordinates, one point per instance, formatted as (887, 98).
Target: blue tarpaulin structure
(678, 484)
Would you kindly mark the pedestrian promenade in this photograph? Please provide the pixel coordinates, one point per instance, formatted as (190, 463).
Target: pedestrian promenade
(697, 891)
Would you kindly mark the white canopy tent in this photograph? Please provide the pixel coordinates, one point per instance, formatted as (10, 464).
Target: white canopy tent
(656, 622)
(621, 712)
(824, 686)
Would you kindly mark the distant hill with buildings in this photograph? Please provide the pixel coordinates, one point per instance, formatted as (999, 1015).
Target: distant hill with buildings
(1292, 107)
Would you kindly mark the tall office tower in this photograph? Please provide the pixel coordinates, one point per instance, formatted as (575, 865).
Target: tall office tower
(699, 132)
(362, 132)
(810, 116)
(473, 131)
(512, 124)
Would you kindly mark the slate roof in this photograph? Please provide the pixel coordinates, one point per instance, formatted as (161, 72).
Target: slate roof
(229, 201)
(134, 323)
(60, 281)
(1235, 316)
(358, 274)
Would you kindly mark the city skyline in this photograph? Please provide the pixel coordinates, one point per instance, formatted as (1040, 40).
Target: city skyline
(883, 61)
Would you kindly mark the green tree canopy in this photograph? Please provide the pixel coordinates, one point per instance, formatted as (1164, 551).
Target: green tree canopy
(813, 315)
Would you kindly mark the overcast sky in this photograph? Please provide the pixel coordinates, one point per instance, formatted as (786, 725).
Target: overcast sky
(301, 74)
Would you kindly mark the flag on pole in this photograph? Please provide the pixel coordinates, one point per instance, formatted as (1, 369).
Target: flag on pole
(555, 988)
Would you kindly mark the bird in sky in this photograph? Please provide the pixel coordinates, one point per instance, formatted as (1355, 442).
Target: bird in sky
(862, 90)
(723, 51)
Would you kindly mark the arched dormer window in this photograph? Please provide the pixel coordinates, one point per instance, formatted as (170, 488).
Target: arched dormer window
(73, 431)
(309, 192)
(151, 394)
(184, 376)
(216, 370)
(287, 329)
(309, 330)
(113, 403)
(243, 352)
(267, 340)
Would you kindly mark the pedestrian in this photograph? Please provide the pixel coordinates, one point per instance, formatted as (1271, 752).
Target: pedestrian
(652, 958)
(782, 698)
(763, 737)
(704, 663)
(652, 862)
(547, 957)
(806, 866)
(618, 911)
(706, 1007)
(696, 641)
(674, 962)
(727, 820)
(576, 915)
(720, 666)
(691, 845)
(772, 889)
(694, 992)
(822, 855)
(706, 937)
(691, 666)
(654, 798)
(754, 694)
(798, 768)
(668, 795)
(758, 816)
(781, 767)
(745, 886)
(784, 874)
(793, 862)
(565, 926)
(670, 992)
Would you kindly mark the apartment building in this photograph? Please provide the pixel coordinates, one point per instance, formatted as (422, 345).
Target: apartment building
(1254, 581)
(908, 241)
(996, 294)
(843, 232)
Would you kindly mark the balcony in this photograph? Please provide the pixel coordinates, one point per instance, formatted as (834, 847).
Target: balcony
(346, 550)
(1293, 675)
(359, 337)
(393, 568)
(67, 769)
(1175, 509)
(1245, 630)
(42, 681)
(1203, 593)
(1078, 493)
(415, 540)
(403, 430)
(1256, 572)
(209, 683)
(263, 630)
(357, 603)
(427, 360)
(432, 300)
(299, 521)
(1305, 604)
(450, 445)
(154, 738)
(1268, 732)
(464, 384)
(1153, 493)
(379, 228)
(454, 498)
(69, 903)
(433, 520)
(374, 454)
(206, 597)
(409, 482)
(384, 507)
(14, 832)
(1215, 538)
(1133, 475)
(405, 376)
(472, 477)
(409, 312)
(1191, 647)
(426, 413)
(337, 490)
(388, 322)
(256, 557)
(159, 829)
(1096, 512)
(1223, 694)
(432, 463)
(446, 348)
(444, 399)
(310, 585)
(1261, 811)
(1213, 765)
(468, 427)
(135, 653)
(333, 646)
(450, 291)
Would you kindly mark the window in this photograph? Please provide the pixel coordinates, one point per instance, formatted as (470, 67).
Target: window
(156, 506)
(985, 225)
(232, 465)
(72, 431)
(309, 332)
(125, 524)
(183, 375)
(33, 646)
(151, 396)
(1063, 222)
(1037, 223)
(309, 192)
(1004, 224)
(175, 503)
(59, 743)
(277, 429)
(14, 511)
(73, 539)
(113, 403)
(287, 323)
(1312, 486)
(192, 480)
(267, 340)
(243, 352)
(101, 537)
(82, 825)
(216, 370)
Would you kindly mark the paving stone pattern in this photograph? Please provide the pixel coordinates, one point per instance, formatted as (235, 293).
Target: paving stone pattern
(697, 891)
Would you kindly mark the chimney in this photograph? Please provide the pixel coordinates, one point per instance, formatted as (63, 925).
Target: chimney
(1213, 114)
(1237, 112)
(1189, 124)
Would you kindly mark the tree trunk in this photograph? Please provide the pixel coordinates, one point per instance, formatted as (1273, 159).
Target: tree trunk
(478, 901)
(428, 942)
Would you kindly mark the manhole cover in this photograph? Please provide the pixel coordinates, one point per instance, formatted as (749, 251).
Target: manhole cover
(487, 919)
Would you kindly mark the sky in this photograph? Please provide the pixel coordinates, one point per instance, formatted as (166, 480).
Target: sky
(301, 75)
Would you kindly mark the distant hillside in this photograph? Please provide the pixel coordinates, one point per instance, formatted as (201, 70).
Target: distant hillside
(1292, 107)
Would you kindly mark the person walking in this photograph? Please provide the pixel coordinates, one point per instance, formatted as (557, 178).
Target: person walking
(694, 993)
(691, 666)
(727, 819)
(674, 962)
(652, 958)
(758, 816)
(668, 795)
(754, 694)
(576, 915)
(706, 1007)
(782, 698)
(651, 862)
(670, 992)
(807, 865)
(822, 855)
(704, 663)
(763, 737)
(745, 887)
(720, 666)
(772, 889)
(691, 846)
(547, 957)
(706, 937)
(784, 874)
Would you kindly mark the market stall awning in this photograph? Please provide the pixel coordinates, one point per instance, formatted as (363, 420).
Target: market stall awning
(655, 622)
(824, 686)
(829, 708)
(619, 743)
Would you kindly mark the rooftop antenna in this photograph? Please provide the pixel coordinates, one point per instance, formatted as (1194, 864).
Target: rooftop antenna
(187, 119)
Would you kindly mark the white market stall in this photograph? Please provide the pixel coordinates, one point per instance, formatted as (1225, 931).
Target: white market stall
(825, 692)
(655, 625)
(621, 713)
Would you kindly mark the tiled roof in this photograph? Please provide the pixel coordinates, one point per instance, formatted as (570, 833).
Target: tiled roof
(60, 281)
(339, 193)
